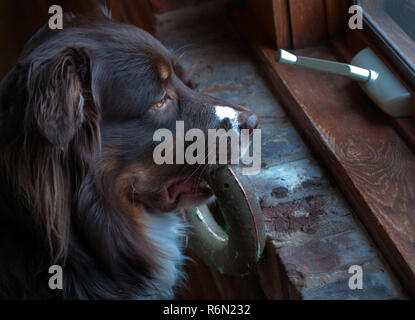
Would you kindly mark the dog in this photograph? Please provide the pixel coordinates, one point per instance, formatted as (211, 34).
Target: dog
(79, 187)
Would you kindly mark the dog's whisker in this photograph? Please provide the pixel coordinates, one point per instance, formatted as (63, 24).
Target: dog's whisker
(199, 178)
(132, 194)
(186, 46)
(206, 157)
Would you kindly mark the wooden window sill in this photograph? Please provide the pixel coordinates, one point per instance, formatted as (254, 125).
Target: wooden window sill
(372, 164)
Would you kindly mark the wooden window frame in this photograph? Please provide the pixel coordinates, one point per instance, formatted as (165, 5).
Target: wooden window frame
(372, 161)
(389, 47)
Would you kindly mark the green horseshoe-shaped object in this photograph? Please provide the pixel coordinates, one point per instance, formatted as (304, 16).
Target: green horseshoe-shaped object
(236, 248)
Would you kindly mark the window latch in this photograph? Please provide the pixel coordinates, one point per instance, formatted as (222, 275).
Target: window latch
(369, 71)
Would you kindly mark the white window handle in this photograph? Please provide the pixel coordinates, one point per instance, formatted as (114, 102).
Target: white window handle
(373, 76)
(343, 69)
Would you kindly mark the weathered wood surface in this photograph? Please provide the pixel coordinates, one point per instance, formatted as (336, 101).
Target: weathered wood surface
(347, 48)
(302, 209)
(371, 163)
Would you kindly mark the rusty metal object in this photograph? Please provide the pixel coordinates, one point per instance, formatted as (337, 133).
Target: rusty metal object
(236, 248)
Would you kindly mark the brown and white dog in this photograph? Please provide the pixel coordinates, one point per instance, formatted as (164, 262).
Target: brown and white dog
(79, 187)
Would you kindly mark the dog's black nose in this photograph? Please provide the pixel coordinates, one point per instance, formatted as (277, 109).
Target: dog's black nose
(248, 120)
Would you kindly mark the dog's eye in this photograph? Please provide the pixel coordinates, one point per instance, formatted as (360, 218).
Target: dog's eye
(162, 102)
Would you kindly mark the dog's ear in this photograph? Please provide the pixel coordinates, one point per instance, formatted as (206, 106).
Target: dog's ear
(56, 90)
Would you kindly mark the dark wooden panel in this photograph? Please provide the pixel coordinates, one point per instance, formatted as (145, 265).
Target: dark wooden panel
(371, 163)
(20, 19)
(308, 23)
(200, 284)
(294, 23)
(273, 16)
(206, 284)
(336, 14)
(282, 23)
(137, 12)
(161, 6)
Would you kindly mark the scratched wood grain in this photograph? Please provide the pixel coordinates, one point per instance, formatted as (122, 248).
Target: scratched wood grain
(370, 161)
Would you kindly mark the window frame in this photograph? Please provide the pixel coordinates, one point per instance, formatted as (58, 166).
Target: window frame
(389, 47)
(313, 103)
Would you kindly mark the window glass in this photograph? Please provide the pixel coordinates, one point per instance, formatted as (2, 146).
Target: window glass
(394, 22)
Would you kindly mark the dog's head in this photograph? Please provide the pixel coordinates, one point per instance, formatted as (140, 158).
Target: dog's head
(140, 89)
(92, 95)
(127, 77)
(78, 117)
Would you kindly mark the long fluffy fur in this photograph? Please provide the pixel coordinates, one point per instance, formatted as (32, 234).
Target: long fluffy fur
(54, 206)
